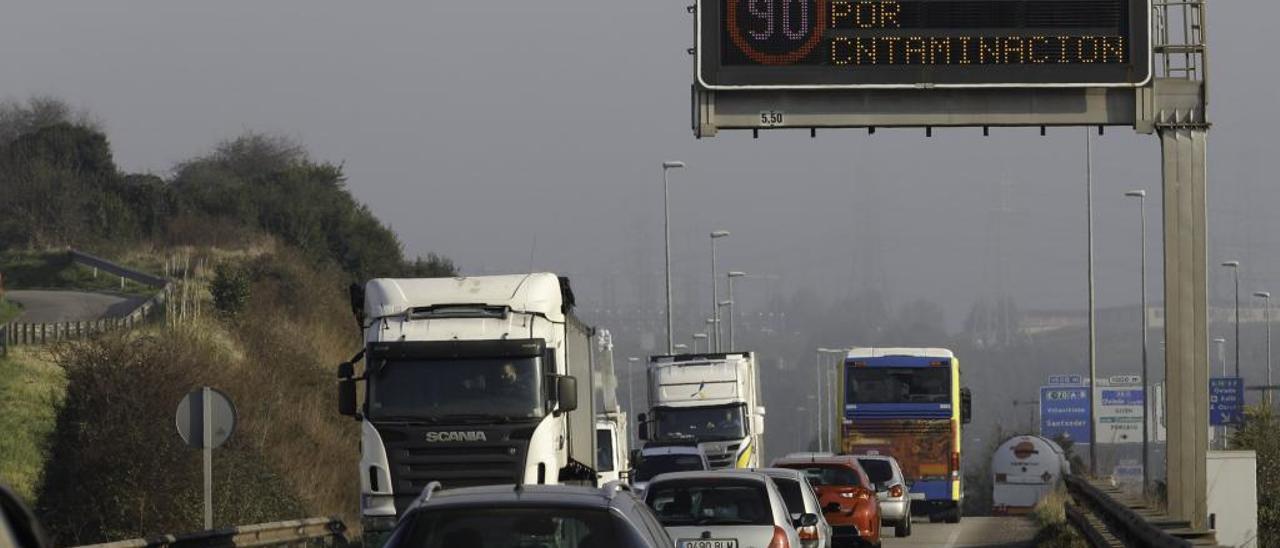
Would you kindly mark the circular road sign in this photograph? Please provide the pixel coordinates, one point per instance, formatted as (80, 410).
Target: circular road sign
(191, 419)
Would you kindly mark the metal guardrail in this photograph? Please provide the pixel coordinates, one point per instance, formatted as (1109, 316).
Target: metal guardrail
(301, 532)
(1105, 521)
(117, 269)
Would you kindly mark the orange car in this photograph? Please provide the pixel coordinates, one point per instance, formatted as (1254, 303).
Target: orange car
(848, 502)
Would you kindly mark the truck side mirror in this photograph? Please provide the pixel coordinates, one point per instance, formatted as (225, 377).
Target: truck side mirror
(347, 397)
(642, 427)
(966, 406)
(346, 370)
(757, 424)
(567, 393)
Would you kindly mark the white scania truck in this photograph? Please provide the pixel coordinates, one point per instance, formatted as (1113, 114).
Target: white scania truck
(712, 400)
(468, 381)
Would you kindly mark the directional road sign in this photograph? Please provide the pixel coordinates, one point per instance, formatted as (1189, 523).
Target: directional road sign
(1073, 380)
(1064, 411)
(1226, 401)
(1120, 413)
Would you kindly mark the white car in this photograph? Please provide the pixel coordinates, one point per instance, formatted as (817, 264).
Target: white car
(724, 509)
(801, 499)
(657, 459)
(891, 492)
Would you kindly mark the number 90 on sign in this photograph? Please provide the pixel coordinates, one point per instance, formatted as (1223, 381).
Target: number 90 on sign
(771, 118)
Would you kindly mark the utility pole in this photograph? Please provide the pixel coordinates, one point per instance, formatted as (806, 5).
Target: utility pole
(1093, 335)
(666, 229)
(1141, 195)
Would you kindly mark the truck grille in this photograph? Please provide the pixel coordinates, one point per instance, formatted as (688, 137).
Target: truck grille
(416, 463)
(723, 457)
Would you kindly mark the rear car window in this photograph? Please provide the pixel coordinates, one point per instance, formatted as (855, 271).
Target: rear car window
(660, 464)
(821, 475)
(878, 470)
(791, 495)
(498, 527)
(710, 502)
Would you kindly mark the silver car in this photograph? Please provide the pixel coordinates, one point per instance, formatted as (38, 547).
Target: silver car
(891, 492)
(801, 499)
(723, 509)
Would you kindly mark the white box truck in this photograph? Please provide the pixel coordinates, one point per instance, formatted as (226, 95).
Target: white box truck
(468, 381)
(712, 400)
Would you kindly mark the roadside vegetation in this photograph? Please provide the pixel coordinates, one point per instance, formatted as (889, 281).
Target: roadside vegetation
(8, 310)
(1261, 433)
(1050, 515)
(31, 387)
(261, 242)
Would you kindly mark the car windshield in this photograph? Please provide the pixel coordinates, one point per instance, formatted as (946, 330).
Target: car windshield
(498, 527)
(457, 388)
(878, 470)
(721, 422)
(829, 475)
(791, 495)
(899, 385)
(704, 502)
(652, 465)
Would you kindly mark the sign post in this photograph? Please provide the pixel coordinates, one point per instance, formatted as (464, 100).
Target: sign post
(205, 420)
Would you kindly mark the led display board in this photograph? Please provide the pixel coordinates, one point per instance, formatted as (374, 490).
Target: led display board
(815, 44)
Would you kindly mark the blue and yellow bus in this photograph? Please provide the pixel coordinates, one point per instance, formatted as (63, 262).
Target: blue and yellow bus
(908, 403)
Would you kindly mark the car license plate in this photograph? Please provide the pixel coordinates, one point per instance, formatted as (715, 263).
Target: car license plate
(917, 496)
(708, 543)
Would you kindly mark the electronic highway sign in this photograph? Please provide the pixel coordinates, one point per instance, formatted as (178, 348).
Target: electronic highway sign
(817, 44)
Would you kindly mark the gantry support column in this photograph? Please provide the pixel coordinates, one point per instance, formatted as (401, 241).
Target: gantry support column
(1186, 318)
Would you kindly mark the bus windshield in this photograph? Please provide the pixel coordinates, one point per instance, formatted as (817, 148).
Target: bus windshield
(898, 385)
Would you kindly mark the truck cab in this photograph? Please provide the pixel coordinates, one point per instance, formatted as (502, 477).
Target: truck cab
(468, 381)
(712, 400)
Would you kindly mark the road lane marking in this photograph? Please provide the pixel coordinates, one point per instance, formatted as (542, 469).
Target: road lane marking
(951, 539)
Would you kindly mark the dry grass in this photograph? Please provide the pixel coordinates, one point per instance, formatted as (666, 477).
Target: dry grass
(1051, 515)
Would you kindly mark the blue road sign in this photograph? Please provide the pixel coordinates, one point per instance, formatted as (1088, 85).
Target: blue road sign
(1064, 411)
(1226, 401)
(1076, 380)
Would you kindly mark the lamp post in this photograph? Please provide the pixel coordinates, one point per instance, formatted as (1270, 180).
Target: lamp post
(1235, 269)
(1141, 195)
(731, 275)
(666, 232)
(824, 403)
(698, 337)
(1266, 301)
(1093, 332)
(631, 402)
(715, 292)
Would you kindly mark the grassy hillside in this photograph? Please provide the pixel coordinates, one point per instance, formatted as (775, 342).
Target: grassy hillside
(261, 242)
(31, 387)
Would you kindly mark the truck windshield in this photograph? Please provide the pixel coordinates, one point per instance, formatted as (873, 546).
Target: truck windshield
(457, 388)
(714, 423)
(899, 385)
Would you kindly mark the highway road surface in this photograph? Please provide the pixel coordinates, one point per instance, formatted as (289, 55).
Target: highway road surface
(68, 306)
(1003, 532)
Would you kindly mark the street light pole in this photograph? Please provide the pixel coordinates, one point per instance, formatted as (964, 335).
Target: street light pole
(823, 400)
(631, 402)
(666, 230)
(1141, 195)
(1093, 334)
(731, 275)
(1235, 269)
(1266, 301)
(715, 292)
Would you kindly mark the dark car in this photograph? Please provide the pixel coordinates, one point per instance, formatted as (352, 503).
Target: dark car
(529, 515)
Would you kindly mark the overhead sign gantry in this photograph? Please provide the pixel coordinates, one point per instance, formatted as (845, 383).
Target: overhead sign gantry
(834, 44)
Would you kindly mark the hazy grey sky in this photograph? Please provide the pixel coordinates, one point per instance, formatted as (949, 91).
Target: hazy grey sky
(474, 127)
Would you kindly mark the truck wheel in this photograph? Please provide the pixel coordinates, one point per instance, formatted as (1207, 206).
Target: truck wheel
(953, 515)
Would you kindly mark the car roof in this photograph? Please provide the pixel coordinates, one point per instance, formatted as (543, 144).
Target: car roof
(846, 460)
(790, 473)
(736, 473)
(671, 450)
(877, 457)
(565, 495)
